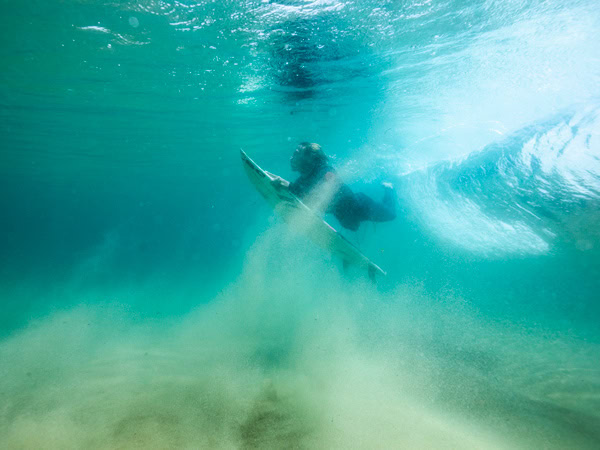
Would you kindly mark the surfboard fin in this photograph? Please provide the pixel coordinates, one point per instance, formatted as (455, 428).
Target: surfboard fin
(371, 271)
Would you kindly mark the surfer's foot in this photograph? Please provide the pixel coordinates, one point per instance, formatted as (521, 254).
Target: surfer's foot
(388, 194)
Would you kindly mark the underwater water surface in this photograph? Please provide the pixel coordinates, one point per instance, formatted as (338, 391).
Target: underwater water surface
(152, 299)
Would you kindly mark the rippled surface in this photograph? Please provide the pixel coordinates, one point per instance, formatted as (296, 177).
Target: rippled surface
(150, 298)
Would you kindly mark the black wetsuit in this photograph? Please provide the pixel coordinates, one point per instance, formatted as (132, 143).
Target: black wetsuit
(349, 208)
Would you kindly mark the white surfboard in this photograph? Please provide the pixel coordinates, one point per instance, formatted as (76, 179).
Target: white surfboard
(303, 219)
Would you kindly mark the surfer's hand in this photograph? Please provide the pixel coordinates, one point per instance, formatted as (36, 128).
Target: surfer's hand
(279, 182)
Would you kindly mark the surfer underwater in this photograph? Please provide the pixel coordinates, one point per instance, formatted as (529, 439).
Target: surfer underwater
(318, 177)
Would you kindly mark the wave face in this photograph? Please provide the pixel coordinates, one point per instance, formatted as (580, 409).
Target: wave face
(149, 298)
(535, 190)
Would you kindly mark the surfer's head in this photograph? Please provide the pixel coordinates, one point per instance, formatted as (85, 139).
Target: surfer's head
(307, 157)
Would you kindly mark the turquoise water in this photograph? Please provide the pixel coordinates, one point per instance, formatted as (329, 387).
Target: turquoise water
(151, 298)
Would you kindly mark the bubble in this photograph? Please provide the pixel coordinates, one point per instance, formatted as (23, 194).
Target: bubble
(584, 245)
(134, 22)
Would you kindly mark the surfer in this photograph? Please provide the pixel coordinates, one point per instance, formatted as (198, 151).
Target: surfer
(319, 181)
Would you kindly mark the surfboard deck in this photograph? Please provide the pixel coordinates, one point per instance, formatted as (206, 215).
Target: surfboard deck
(296, 214)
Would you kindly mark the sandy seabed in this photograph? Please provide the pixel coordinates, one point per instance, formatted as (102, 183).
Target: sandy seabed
(289, 361)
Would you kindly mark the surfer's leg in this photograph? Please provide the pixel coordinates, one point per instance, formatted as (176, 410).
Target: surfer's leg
(376, 211)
